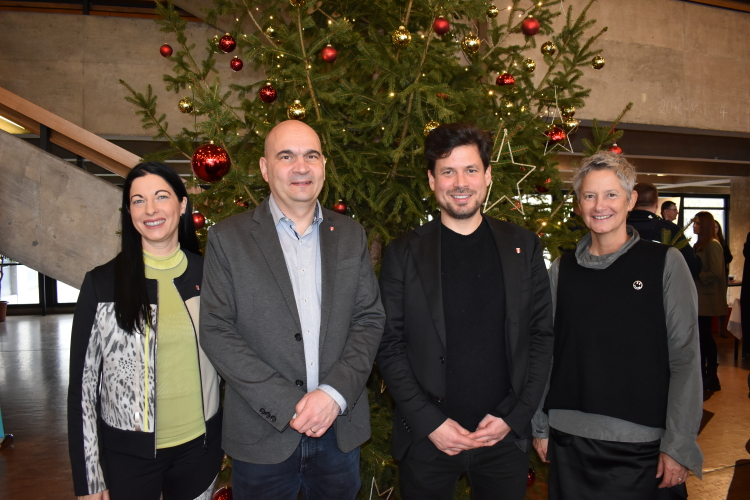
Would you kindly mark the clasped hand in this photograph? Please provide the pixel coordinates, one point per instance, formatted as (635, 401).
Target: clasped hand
(452, 439)
(316, 411)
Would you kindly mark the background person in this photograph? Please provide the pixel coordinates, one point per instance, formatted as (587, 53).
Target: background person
(624, 402)
(291, 316)
(728, 257)
(134, 349)
(669, 211)
(712, 294)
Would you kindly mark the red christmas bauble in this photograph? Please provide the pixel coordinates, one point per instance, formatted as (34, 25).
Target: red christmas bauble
(267, 93)
(442, 95)
(199, 220)
(227, 43)
(329, 54)
(340, 207)
(555, 134)
(210, 162)
(615, 149)
(236, 64)
(532, 475)
(165, 50)
(505, 79)
(240, 202)
(441, 26)
(223, 493)
(541, 189)
(530, 26)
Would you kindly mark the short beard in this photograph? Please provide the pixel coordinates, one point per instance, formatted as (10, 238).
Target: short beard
(466, 213)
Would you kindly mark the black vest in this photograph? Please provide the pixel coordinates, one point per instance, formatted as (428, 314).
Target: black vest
(611, 355)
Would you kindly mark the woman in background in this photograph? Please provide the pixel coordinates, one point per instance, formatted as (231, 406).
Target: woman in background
(711, 284)
(727, 259)
(143, 401)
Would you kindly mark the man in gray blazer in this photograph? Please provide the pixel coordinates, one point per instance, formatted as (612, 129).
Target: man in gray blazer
(291, 317)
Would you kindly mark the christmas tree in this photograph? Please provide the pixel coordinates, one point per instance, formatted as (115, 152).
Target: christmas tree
(373, 78)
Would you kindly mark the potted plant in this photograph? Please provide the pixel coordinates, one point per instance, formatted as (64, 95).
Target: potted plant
(3, 303)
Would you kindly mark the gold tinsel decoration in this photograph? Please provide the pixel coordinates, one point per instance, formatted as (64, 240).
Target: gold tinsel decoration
(297, 3)
(549, 49)
(186, 105)
(296, 111)
(401, 37)
(597, 62)
(471, 43)
(492, 11)
(270, 32)
(529, 65)
(430, 126)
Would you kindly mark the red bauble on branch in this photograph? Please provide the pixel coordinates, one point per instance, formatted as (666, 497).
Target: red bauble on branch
(236, 64)
(555, 134)
(199, 220)
(227, 43)
(210, 162)
(340, 207)
(329, 54)
(165, 50)
(267, 93)
(223, 493)
(532, 475)
(530, 26)
(505, 79)
(441, 26)
(615, 149)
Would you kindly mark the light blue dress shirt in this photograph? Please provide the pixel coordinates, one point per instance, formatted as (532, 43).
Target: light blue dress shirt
(302, 256)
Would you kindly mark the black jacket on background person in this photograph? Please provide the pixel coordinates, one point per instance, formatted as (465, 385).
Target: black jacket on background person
(650, 226)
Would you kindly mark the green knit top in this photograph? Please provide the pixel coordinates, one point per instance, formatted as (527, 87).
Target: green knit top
(179, 405)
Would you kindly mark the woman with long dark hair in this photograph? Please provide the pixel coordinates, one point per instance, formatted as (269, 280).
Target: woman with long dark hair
(711, 284)
(143, 402)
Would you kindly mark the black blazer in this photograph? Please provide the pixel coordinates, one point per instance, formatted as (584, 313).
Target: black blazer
(412, 352)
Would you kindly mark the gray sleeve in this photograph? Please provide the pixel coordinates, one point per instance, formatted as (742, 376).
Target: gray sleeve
(540, 421)
(685, 401)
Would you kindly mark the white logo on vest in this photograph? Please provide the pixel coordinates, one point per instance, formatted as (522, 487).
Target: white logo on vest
(637, 285)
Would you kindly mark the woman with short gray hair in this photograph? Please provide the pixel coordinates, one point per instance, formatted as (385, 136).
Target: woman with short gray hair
(624, 397)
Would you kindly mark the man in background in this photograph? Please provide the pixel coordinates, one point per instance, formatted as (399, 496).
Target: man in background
(669, 210)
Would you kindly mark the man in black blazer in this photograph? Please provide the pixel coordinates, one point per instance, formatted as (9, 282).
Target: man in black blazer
(468, 338)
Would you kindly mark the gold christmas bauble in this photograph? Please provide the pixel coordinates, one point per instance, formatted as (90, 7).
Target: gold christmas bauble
(507, 107)
(430, 126)
(568, 111)
(186, 105)
(570, 125)
(529, 65)
(492, 11)
(549, 49)
(597, 62)
(270, 32)
(471, 43)
(401, 37)
(296, 111)
(297, 3)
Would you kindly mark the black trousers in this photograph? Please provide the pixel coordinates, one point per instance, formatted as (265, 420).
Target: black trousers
(495, 473)
(590, 469)
(182, 472)
(709, 353)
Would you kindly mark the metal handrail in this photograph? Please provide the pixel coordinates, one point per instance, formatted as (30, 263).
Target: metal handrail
(66, 134)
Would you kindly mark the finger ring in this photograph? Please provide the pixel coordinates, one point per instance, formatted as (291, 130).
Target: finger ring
(679, 479)
(312, 430)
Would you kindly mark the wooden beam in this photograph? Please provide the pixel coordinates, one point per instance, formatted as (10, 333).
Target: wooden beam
(726, 4)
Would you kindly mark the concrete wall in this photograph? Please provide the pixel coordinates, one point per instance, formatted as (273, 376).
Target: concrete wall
(56, 218)
(682, 64)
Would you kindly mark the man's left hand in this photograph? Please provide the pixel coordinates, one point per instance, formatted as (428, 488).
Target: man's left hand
(490, 430)
(316, 411)
(672, 472)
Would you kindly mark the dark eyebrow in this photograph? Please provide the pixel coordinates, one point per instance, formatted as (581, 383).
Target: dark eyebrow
(157, 192)
(290, 152)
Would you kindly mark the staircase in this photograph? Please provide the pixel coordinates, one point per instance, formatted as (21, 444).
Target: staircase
(57, 218)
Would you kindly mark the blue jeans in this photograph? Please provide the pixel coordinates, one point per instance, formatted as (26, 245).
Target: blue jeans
(317, 468)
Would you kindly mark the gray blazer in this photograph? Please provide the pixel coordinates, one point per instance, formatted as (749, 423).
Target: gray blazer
(249, 329)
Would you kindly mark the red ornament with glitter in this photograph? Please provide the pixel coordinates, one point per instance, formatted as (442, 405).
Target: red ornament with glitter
(267, 93)
(199, 220)
(531, 478)
(340, 207)
(236, 64)
(210, 162)
(329, 54)
(227, 43)
(441, 26)
(165, 50)
(530, 26)
(555, 134)
(505, 79)
(223, 493)
(615, 149)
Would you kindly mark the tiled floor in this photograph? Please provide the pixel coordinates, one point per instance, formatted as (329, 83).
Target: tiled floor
(33, 386)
